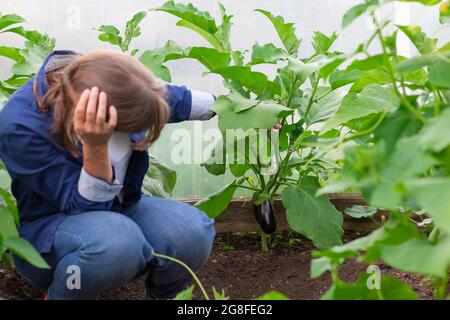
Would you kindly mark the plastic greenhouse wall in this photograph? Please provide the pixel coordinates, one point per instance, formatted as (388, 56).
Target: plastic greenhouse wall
(72, 22)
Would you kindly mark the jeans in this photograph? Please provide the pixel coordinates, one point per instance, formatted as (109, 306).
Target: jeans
(109, 249)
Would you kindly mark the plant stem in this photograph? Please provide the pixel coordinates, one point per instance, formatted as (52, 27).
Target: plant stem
(311, 99)
(188, 269)
(264, 246)
(390, 67)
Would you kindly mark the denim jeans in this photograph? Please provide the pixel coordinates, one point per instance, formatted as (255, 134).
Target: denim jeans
(109, 249)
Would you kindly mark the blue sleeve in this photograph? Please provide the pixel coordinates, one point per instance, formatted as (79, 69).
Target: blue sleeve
(46, 170)
(180, 103)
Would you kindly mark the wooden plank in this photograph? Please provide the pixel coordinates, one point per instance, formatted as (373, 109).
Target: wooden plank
(239, 217)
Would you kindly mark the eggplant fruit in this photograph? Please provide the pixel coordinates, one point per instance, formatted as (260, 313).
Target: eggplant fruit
(265, 216)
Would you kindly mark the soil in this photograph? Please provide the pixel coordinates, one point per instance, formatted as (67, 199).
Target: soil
(244, 271)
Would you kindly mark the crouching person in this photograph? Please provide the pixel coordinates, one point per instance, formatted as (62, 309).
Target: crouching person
(74, 141)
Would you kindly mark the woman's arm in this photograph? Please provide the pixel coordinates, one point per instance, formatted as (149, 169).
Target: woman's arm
(188, 104)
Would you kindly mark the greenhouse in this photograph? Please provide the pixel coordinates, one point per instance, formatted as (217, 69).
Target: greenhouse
(225, 150)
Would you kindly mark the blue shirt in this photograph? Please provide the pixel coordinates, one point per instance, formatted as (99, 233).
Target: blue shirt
(45, 175)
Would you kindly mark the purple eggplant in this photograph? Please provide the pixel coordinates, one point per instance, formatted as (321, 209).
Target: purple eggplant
(265, 216)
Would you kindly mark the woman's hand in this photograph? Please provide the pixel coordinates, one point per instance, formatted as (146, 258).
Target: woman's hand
(91, 126)
(90, 118)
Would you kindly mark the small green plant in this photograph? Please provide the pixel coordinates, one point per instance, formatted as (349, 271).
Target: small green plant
(26, 62)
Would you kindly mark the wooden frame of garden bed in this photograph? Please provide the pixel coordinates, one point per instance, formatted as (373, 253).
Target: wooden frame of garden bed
(238, 217)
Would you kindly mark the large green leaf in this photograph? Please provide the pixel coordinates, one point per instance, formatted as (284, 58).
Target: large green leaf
(211, 58)
(160, 179)
(216, 203)
(254, 81)
(272, 295)
(419, 38)
(313, 216)
(9, 20)
(286, 32)
(326, 107)
(394, 232)
(263, 115)
(435, 135)
(433, 195)
(390, 289)
(323, 43)
(267, 53)
(419, 255)
(438, 63)
(11, 53)
(404, 163)
(33, 56)
(154, 59)
(199, 21)
(373, 99)
(357, 11)
(25, 250)
(7, 224)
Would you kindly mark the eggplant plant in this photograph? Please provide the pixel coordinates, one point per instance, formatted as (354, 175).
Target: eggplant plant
(299, 97)
(399, 158)
(25, 63)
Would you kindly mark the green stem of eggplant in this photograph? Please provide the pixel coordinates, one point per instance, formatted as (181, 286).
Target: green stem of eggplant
(264, 246)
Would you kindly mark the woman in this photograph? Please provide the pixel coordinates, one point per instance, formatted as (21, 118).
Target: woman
(74, 141)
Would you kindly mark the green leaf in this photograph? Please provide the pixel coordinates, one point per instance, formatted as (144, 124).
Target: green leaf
(390, 289)
(444, 12)
(199, 21)
(263, 115)
(220, 295)
(358, 211)
(273, 295)
(267, 53)
(154, 59)
(185, 294)
(7, 224)
(326, 107)
(11, 53)
(419, 38)
(154, 63)
(302, 70)
(433, 195)
(439, 73)
(211, 58)
(33, 56)
(256, 82)
(25, 250)
(404, 163)
(323, 43)
(419, 255)
(286, 32)
(9, 19)
(217, 202)
(435, 135)
(314, 217)
(160, 179)
(110, 34)
(372, 100)
(357, 11)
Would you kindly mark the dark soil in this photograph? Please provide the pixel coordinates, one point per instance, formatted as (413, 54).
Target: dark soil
(243, 270)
